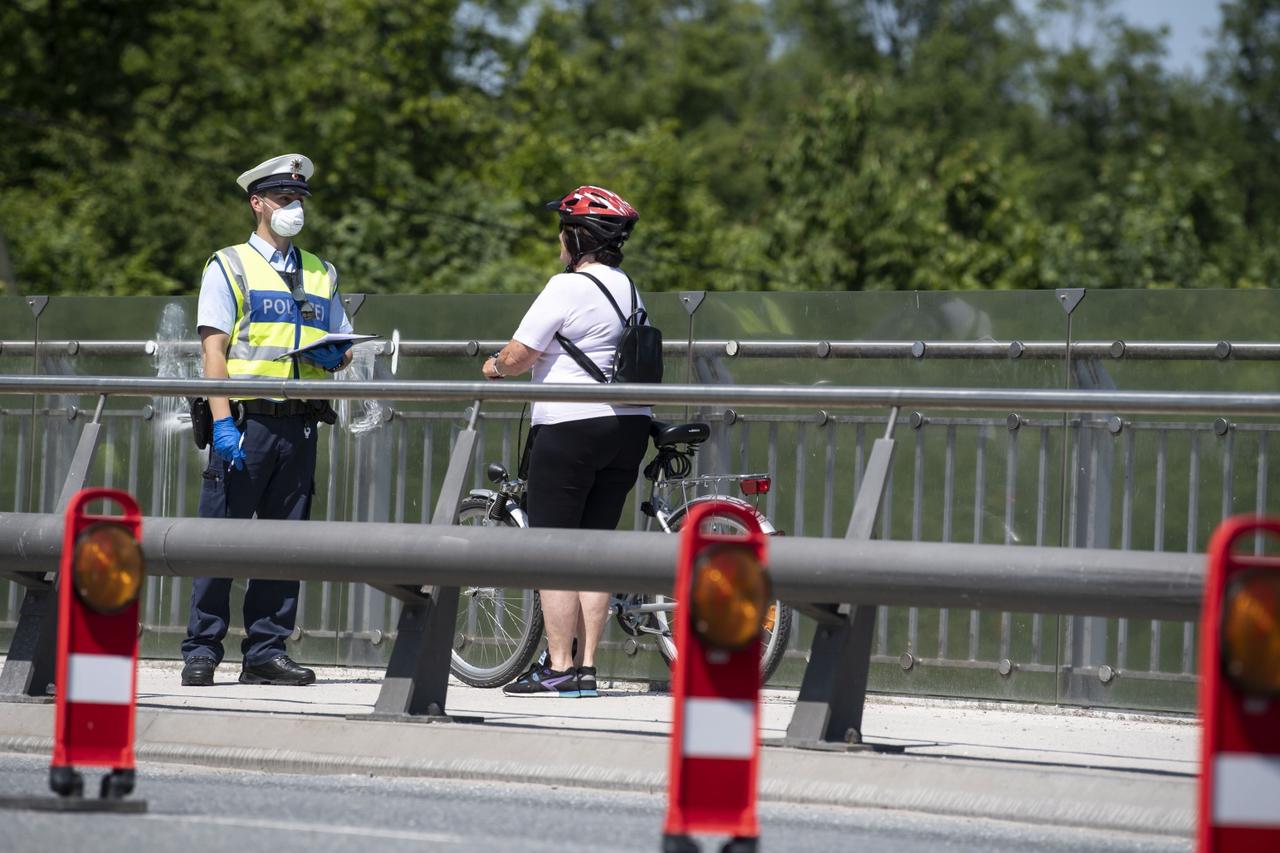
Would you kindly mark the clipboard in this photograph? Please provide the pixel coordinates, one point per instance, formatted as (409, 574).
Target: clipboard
(330, 338)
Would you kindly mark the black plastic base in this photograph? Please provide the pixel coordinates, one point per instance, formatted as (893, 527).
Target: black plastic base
(72, 804)
(686, 844)
(68, 785)
(741, 845)
(679, 844)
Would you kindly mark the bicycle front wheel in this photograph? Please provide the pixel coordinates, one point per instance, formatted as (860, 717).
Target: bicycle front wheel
(777, 624)
(498, 628)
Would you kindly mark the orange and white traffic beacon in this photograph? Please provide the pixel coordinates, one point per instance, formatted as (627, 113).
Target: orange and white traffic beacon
(101, 575)
(1240, 689)
(724, 594)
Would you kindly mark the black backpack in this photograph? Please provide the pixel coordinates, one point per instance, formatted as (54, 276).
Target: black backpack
(638, 357)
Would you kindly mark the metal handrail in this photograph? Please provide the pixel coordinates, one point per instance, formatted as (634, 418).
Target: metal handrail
(821, 349)
(821, 397)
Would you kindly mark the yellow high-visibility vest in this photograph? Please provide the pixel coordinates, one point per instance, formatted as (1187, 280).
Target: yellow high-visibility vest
(268, 321)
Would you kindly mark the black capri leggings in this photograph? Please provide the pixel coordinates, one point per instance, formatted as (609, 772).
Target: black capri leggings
(581, 471)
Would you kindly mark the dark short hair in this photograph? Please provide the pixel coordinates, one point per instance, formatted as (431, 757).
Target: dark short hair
(610, 255)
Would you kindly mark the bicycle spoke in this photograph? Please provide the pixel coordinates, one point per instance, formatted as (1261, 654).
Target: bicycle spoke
(498, 629)
(496, 626)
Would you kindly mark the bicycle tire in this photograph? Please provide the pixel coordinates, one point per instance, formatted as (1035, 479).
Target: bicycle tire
(498, 628)
(774, 643)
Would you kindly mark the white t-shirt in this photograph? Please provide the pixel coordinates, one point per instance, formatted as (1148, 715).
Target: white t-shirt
(572, 305)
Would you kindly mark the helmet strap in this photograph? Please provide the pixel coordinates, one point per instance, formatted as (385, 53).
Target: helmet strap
(575, 253)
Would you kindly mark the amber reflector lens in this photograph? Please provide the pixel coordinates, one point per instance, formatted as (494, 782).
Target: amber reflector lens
(107, 566)
(730, 596)
(770, 617)
(1251, 632)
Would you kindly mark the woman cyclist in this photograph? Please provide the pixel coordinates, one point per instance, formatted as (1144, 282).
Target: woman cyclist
(583, 457)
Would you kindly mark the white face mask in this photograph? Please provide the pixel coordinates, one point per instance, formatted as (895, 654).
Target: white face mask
(287, 221)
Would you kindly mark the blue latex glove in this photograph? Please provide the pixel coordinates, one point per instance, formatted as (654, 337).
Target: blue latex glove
(328, 356)
(226, 441)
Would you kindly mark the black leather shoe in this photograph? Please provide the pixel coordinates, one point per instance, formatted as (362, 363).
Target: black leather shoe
(279, 670)
(198, 672)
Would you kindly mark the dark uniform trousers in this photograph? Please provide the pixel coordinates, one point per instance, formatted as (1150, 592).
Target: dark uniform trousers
(277, 482)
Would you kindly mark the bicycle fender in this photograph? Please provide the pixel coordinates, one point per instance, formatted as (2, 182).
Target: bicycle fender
(519, 516)
(766, 526)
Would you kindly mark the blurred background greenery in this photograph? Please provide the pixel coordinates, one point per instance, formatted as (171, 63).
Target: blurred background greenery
(768, 144)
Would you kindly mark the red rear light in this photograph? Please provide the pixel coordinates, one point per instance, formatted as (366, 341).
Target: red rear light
(755, 485)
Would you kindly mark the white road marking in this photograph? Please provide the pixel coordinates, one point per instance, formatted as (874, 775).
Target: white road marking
(322, 829)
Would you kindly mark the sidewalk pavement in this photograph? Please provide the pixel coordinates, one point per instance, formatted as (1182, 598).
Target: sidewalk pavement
(1027, 763)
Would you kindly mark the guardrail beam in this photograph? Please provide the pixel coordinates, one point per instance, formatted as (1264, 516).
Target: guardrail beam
(1020, 578)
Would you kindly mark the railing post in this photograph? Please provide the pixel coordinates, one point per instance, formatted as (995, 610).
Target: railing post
(28, 667)
(828, 711)
(417, 677)
(1089, 504)
(692, 301)
(28, 673)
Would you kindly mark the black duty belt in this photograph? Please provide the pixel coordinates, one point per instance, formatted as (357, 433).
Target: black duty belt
(284, 409)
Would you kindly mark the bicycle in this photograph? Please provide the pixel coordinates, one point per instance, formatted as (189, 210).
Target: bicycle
(499, 629)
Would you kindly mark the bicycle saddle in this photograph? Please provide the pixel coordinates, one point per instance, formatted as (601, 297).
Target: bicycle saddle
(665, 435)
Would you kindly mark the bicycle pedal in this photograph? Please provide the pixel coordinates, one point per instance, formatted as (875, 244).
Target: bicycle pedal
(647, 509)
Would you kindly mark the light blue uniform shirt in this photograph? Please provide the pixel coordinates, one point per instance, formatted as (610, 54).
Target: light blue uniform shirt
(217, 308)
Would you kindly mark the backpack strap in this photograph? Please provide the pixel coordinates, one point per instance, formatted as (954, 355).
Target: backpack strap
(609, 296)
(635, 300)
(592, 369)
(635, 303)
(636, 310)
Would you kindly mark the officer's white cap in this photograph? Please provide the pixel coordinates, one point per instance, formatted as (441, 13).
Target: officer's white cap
(286, 173)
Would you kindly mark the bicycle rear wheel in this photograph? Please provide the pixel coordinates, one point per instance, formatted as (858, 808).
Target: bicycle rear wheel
(498, 628)
(777, 624)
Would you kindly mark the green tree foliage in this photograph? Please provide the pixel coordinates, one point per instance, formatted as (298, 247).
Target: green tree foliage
(769, 144)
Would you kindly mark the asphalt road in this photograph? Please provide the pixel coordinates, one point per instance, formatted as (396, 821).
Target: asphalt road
(199, 809)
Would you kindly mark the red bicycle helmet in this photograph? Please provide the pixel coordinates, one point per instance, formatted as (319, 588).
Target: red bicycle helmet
(603, 214)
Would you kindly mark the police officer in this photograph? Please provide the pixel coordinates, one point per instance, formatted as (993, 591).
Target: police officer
(258, 301)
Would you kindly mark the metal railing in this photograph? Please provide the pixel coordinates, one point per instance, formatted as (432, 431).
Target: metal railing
(763, 396)
(1011, 456)
(1115, 350)
(1094, 475)
(820, 575)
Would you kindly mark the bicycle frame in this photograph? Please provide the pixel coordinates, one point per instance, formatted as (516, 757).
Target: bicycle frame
(702, 488)
(506, 499)
(637, 615)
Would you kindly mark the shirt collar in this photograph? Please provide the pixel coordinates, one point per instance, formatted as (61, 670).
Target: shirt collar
(272, 255)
